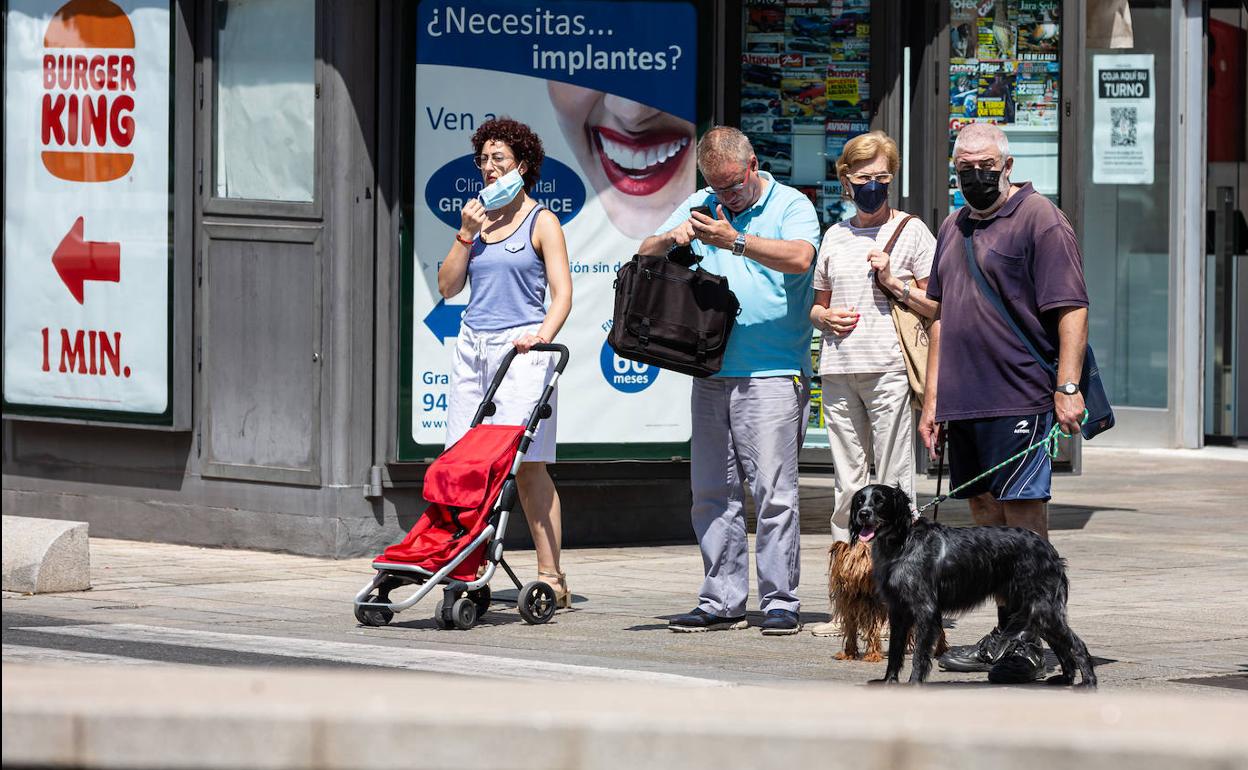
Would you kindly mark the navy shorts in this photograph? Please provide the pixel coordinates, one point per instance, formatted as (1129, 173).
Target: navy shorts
(977, 445)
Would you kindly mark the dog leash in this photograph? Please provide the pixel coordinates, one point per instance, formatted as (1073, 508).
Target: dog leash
(1049, 441)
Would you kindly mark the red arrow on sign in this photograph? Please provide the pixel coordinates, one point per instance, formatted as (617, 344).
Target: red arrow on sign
(78, 261)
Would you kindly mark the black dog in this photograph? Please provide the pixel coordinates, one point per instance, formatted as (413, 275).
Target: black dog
(923, 569)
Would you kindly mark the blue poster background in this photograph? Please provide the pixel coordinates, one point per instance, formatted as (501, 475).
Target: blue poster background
(639, 50)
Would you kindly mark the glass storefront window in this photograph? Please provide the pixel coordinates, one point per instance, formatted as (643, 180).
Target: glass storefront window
(805, 75)
(1004, 68)
(1126, 208)
(265, 99)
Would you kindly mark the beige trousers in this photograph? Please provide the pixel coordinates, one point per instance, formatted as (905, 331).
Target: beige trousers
(868, 417)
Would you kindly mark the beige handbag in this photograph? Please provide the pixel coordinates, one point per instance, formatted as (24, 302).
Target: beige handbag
(911, 331)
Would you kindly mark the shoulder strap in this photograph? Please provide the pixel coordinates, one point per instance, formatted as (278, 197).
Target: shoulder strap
(990, 294)
(888, 249)
(533, 219)
(892, 241)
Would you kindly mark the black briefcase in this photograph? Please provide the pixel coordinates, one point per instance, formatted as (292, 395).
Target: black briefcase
(671, 316)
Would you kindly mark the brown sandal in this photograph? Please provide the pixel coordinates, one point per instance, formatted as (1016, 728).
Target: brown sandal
(558, 581)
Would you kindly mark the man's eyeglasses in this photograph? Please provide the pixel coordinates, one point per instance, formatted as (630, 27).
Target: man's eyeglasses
(882, 178)
(983, 165)
(497, 160)
(733, 189)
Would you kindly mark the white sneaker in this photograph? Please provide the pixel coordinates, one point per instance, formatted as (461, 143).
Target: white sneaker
(839, 533)
(831, 628)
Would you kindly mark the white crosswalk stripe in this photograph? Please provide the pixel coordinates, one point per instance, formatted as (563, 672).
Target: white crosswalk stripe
(21, 653)
(415, 659)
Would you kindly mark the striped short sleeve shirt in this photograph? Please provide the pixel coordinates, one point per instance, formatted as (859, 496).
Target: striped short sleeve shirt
(843, 269)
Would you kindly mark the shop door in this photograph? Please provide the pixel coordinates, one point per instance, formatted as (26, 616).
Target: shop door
(1127, 218)
(1226, 261)
(258, 210)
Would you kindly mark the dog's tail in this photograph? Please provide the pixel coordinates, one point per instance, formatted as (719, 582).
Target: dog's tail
(1061, 586)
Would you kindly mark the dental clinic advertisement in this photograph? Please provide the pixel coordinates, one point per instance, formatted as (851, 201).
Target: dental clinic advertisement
(1123, 119)
(611, 90)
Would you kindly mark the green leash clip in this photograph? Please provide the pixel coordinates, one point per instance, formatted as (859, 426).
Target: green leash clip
(1049, 441)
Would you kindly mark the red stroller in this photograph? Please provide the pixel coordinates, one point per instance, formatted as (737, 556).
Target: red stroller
(471, 489)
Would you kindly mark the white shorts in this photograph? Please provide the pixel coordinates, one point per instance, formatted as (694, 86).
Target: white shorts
(474, 363)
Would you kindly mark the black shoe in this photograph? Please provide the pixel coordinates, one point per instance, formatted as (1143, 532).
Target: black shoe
(1021, 662)
(701, 620)
(781, 623)
(978, 657)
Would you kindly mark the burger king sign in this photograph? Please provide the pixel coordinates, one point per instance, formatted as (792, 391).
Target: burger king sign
(86, 208)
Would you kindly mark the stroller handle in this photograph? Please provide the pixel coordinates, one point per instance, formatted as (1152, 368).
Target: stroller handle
(487, 407)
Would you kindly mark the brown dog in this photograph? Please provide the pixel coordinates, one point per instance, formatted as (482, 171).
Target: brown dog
(851, 590)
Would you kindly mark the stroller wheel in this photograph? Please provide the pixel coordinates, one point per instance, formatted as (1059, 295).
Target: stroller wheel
(441, 617)
(464, 613)
(481, 598)
(373, 616)
(537, 602)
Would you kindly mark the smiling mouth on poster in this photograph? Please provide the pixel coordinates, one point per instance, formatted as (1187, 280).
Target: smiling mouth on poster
(610, 89)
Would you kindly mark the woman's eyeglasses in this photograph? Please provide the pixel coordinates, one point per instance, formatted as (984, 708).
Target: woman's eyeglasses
(884, 178)
(497, 160)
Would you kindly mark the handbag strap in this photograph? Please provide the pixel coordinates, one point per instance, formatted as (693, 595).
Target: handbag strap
(994, 298)
(892, 241)
(888, 249)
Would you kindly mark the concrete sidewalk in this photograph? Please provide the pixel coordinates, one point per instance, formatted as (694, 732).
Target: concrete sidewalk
(1157, 547)
(196, 718)
(119, 676)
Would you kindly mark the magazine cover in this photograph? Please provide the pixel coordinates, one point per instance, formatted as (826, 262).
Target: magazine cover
(997, 28)
(1036, 94)
(803, 93)
(848, 89)
(963, 30)
(995, 98)
(774, 153)
(764, 18)
(963, 90)
(1039, 32)
(833, 206)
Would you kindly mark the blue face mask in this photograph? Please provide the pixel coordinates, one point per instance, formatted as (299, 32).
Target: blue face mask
(502, 190)
(870, 196)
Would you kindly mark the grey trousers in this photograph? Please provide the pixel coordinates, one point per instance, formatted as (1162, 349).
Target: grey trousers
(747, 431)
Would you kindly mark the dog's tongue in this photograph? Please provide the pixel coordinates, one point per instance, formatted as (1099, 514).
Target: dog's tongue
(866, 535)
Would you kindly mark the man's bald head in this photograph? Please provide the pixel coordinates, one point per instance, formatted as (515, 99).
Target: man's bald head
(980, 138)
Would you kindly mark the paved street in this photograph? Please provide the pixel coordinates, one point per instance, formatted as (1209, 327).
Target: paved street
(1157, 545)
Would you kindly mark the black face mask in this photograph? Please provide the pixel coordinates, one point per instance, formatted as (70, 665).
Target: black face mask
(981, 188)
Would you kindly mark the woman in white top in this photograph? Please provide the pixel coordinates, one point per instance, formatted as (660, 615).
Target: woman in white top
(866, 392)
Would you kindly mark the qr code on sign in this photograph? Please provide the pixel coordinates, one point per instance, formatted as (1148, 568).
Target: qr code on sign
(1123, 123)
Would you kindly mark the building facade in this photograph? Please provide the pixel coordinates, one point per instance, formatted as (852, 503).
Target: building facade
(223, 222)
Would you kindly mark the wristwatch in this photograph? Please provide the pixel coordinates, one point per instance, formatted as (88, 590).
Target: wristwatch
(738, 246)
(1069, 388)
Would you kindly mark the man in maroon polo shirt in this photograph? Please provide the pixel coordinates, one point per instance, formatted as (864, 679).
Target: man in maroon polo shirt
(992, 396)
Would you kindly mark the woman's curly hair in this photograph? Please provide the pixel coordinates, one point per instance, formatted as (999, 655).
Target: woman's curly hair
(524, 144)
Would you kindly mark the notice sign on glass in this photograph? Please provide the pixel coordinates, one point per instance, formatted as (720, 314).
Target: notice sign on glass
(86, 209)
(1123, 119)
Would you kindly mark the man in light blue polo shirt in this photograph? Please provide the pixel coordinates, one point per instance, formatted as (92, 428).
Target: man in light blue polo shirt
(749, 420)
